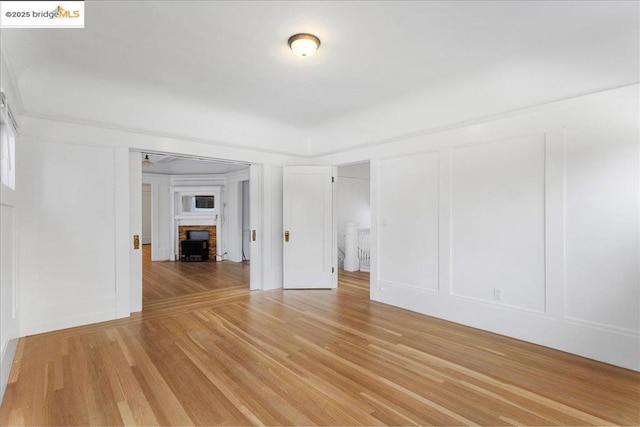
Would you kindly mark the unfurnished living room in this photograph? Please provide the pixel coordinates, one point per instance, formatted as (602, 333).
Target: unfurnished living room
(319, 213)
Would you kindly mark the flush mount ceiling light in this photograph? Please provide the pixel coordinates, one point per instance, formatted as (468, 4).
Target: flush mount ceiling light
(304, 44)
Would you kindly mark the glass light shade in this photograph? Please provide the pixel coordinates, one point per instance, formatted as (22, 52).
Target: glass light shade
(146, 161)
(304, 44)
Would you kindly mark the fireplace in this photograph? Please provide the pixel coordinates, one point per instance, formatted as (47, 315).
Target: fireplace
(194, 250)
(195, 241)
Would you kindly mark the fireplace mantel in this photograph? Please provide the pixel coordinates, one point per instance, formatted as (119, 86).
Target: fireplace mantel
(196, 219)
(183, 219)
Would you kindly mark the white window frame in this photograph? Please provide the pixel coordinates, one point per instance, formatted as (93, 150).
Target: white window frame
(7, 145)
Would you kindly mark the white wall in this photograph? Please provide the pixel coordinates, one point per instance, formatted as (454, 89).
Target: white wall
(233, 214)
(497, 221)
(67, 210)
(601, 211)
(9, 243)
(161, 216)
(542, 204)
(9, 290)
(590, 178)
(563, 179)
(408, 220)
(73, 212)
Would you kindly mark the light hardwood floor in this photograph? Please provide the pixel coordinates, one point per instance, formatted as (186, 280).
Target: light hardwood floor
(165, 279)
(228, 356)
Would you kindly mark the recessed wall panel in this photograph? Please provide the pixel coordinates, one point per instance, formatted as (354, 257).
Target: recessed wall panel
(498, 209)
(409, 221)
(72, 201)
(602, 231)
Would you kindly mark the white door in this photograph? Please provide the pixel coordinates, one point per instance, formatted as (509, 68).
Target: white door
(135, 228)
(255, 234)
(308, 227)
(246, 227)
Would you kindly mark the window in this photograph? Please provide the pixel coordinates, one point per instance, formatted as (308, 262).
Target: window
(7, 145)
(198, 204)
(203, 203)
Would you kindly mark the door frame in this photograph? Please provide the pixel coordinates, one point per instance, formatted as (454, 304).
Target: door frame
(151, 212)
(255, 233)
(134, 290)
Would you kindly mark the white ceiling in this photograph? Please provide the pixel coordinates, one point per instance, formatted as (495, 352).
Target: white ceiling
(171, 165)
(233, 56)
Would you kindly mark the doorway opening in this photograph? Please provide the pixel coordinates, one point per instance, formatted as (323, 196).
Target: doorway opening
(353, 206)
(194, 216)
(246, 227)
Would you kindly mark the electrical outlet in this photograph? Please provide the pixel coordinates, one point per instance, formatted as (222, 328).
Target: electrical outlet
(497, 294)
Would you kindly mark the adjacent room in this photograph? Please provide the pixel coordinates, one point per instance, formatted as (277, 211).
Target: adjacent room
(195, 229)
(320, 213)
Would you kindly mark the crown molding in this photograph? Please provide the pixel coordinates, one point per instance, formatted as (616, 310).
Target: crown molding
(110, 126)
(318, 155)
(463, 123)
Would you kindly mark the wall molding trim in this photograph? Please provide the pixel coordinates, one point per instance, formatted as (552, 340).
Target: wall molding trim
(383, 282)
(115, 127)
(498, 304)
(604, 327)
(533, 178)
(312, 156)
(463, 123)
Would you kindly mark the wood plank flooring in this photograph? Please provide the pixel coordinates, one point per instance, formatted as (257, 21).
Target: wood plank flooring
(304, 357)
(166, 279)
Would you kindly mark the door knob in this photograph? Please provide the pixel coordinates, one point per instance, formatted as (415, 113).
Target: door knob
(286, 236)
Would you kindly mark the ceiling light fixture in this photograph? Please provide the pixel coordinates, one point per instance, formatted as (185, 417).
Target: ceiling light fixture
(304, 44)
(146, 161)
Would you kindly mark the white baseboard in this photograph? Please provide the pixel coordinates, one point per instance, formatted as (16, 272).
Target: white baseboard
(70, 322)
(6, 362)
(618, 347)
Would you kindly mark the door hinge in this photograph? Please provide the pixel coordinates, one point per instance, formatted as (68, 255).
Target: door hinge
(333, 179)
(333, 270)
